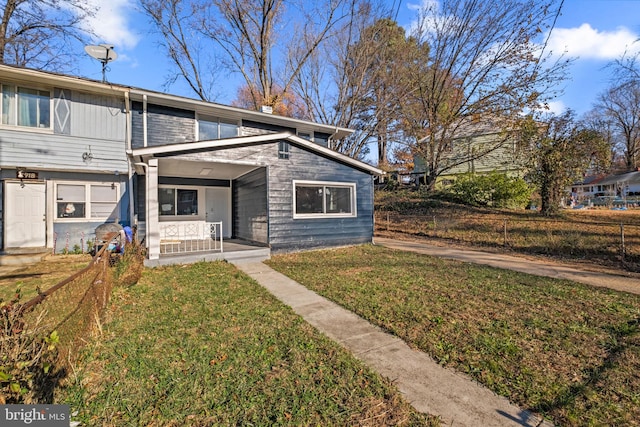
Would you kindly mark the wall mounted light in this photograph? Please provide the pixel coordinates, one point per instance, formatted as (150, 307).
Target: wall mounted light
(116, 175)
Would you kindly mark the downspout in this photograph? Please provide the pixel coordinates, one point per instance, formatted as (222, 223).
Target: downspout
(127, 108)
(144, 121)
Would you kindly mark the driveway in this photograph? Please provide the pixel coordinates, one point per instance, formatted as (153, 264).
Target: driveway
(620, 282)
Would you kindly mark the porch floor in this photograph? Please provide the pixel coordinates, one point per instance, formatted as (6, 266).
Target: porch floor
(235, 251)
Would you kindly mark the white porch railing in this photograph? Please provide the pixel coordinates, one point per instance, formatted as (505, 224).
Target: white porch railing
(190, 236)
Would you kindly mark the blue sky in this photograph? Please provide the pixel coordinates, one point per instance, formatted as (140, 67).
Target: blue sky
(593, 31)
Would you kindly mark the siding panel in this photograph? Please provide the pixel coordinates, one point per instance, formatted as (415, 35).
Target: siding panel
(250, 206)
(48, 151)
(285, 233)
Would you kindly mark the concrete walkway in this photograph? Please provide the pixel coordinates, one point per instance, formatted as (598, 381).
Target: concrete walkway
(429, 387)
(620, 282)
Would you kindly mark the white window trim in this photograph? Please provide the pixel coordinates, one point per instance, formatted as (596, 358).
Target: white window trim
(87, 194)
(350, 185)
(218, 120)
(201, 207)
(15, 105)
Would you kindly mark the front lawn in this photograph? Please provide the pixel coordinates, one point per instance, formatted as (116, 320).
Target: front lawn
(569, 351)
(205, 345)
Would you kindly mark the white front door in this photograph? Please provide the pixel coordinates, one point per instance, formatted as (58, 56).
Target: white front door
(25, 220)
(219, 208)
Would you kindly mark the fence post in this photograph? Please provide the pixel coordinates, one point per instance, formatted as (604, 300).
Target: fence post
(434, 226)
(622, 248)
(505, 234)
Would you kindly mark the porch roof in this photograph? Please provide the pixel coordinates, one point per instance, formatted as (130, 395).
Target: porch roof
(220, 144)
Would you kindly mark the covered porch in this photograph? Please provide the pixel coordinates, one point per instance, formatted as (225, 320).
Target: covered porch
(197, 210)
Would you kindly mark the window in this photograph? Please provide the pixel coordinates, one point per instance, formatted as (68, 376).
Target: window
(283, 150)
(324, 199)
(305, 135)
(26, 107)
(87, 201)
(177, 201)
(213, 128)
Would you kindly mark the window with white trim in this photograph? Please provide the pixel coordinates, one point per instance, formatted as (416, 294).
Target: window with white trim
(214, 128)
(87, 201)
(283, 150)
(26, 107)
(324, 199)
(177, 201)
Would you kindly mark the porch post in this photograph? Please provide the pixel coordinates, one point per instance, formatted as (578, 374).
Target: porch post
(153, 229)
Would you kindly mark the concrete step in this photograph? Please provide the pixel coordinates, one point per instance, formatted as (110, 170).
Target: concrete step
(22, 257)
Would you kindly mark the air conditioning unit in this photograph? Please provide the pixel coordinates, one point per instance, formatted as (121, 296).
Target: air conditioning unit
(266, 109)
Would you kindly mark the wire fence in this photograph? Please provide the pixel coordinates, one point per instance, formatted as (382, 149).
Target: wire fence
(616, 244)
(74, 306)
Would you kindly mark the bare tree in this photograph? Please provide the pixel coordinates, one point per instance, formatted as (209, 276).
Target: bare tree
(267, 41)
(348, 82)
(620, 106)
(176, 21)
(42, 34)
(485, 67)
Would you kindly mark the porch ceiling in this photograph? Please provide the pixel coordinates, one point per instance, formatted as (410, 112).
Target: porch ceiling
(204, 170)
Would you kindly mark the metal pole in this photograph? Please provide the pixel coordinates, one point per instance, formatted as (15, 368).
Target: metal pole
(622, 248)
(505, 234)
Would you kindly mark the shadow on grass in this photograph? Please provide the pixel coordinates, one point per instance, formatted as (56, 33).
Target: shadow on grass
(620, 343)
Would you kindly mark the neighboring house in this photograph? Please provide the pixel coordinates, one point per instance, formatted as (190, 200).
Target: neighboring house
(476, 147)
(179, 169)
(601, 188)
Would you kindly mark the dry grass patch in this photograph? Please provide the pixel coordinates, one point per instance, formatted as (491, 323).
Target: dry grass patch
(556, 347)
(587, 236)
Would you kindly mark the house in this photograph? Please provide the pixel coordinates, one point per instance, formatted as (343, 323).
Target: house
(605, 189)
(475, 146)
(189, 174)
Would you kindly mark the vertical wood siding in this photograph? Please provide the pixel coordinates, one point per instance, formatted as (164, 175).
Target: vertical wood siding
(250, 207)
(285, 233)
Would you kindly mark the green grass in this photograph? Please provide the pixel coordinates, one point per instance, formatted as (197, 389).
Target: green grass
(42, 275)
(205, 345)
(569, 351)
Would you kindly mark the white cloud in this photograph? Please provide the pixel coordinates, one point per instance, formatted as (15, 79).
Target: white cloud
(424, 5)
(586, 42)
(556, 107)
(112, 24)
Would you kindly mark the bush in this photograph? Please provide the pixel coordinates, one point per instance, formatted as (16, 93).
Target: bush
(495, 189)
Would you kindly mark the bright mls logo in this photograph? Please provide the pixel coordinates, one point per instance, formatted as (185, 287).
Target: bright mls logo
(34, 415)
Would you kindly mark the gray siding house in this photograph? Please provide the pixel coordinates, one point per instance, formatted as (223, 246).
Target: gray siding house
(191, 175)
(63, 163)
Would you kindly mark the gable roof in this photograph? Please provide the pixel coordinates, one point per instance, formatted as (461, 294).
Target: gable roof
(221, 144)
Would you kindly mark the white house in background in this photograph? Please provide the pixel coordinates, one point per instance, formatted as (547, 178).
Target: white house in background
(604, 187)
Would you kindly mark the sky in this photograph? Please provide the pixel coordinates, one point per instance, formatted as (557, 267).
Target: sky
(594, 32)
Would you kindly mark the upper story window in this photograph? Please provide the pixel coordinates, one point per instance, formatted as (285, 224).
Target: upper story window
(214, 128)
(26, 107)
(306, 135)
